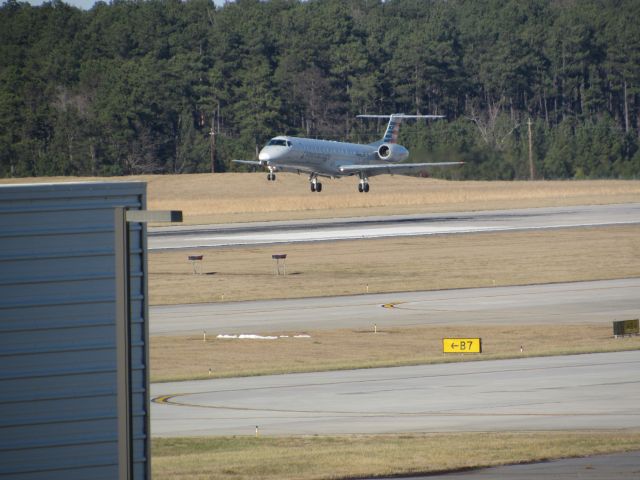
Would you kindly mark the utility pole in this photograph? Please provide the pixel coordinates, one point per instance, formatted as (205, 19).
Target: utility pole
(212, 134)
(532, 173)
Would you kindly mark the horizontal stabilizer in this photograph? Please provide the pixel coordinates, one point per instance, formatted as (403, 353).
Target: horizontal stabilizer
(400, 115)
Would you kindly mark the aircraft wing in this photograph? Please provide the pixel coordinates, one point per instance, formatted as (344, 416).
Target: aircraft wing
(255, 163)
(399, 168)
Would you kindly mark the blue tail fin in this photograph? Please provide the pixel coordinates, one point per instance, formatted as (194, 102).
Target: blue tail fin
(393, 127)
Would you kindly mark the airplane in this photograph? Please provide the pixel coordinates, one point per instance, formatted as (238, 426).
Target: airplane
(332, 159)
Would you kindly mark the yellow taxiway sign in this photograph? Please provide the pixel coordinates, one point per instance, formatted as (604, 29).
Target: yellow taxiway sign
(462, 345)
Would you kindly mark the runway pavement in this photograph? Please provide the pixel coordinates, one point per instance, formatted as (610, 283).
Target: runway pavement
(597, 301)
(598, 391)
(260, 233)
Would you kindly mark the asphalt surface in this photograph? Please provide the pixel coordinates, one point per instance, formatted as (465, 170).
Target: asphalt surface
(598, 391)
(582, 302)
(620, 466)
(261, 233)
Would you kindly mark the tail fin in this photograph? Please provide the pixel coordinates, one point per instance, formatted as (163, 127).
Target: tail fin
(393, 127)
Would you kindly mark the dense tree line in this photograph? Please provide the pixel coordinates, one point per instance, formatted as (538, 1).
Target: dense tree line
(138, 86)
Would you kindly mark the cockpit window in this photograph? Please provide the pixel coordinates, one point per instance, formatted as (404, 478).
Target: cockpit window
(279, 142)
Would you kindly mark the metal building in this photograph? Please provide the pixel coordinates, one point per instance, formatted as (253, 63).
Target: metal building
(73, 332)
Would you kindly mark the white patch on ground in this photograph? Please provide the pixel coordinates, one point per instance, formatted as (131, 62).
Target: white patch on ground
(243, 336)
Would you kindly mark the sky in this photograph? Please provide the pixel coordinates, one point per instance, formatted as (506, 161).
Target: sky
(87, 4)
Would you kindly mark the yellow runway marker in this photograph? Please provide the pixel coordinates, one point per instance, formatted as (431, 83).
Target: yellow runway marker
(391, 305)
(164, 399)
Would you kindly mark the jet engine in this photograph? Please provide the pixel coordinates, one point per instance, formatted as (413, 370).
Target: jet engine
(392, 152)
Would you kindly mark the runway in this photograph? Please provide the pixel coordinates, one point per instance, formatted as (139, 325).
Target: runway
(263, 233)
(598, 391)
(596, 302)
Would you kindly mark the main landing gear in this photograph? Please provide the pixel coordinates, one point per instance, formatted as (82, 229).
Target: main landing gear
(316, 186)
(363, 186)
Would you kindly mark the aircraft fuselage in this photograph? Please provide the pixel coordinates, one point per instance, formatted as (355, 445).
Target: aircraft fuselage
(320, 156)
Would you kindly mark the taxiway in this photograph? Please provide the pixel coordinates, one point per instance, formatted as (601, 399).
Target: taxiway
(597, 391)
(581, 302)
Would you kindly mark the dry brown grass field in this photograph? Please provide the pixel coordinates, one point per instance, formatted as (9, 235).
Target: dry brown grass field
(240, 197)
(364, 456)
(398, 264)
(189, 357)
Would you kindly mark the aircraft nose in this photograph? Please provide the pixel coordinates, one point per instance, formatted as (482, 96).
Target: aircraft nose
(264, 156)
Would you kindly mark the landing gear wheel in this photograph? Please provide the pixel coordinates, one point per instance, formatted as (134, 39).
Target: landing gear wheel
(363, 186)
(315, 185)
(271, 177)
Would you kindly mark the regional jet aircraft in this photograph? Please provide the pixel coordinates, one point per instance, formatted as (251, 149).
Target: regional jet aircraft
(330, 159)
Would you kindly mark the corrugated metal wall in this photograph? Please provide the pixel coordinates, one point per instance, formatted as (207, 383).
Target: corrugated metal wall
(58, 392)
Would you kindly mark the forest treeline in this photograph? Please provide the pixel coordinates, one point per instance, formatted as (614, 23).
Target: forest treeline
(139, 86)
